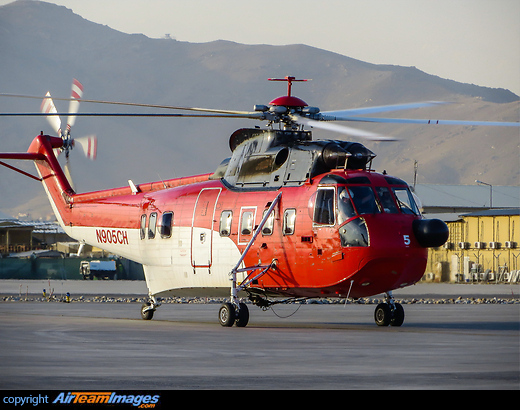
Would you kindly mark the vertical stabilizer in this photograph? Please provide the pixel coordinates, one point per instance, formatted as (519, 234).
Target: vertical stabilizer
(55, 182)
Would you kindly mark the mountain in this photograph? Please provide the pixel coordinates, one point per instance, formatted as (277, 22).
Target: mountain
(44, 46)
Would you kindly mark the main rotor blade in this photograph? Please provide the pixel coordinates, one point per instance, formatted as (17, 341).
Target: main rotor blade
(354, 132)
(429, 122)
(252, 115)
(167, 107)
(378, 109)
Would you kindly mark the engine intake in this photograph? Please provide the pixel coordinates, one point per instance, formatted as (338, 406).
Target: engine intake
(350, 155)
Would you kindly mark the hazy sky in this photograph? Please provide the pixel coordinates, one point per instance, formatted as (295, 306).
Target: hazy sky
(471, 41)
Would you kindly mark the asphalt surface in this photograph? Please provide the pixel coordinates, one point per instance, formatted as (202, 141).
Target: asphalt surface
(85, 346)
(138, 288)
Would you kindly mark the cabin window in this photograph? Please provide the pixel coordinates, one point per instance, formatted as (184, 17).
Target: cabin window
(386, 201)
(289, 221)
(247, 223)
(269, 224)
(345, 208)
(143, 226)
(225, 223)
(405, 201)
(152, 224)
(166, 225)
(324, 208)
(364, 199)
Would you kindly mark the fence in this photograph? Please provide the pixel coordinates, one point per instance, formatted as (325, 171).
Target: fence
(59, 268)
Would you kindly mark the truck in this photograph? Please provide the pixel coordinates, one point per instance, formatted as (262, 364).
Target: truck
(98, 269)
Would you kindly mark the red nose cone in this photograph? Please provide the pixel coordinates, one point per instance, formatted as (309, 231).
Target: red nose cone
(288, 101)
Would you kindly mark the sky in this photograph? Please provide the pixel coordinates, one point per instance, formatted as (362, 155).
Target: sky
(471, 41)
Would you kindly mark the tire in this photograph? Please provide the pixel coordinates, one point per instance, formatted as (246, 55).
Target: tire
(397, 315)
(242, 316)
(383, 314)
(146, 314)
(227, 315)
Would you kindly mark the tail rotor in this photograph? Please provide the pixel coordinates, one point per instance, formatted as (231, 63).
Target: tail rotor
(87, 144)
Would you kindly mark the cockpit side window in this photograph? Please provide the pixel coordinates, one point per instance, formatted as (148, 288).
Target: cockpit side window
(405, 201)
(324, 207)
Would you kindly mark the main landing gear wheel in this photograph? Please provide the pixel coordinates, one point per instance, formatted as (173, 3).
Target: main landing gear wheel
(242, 316)
(228, 315)
(389, 314)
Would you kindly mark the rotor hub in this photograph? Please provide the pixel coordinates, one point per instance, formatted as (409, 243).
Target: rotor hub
(288, 101)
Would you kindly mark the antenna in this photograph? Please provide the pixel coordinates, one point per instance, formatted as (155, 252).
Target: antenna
(415, 168)
(289, 80)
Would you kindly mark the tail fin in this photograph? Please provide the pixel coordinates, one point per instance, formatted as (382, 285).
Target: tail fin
(51, 174)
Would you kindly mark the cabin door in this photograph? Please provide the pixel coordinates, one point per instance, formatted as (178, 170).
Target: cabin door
(202, 227)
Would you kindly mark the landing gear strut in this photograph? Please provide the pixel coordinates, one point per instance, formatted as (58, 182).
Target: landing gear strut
(235, 312)
(389, 313)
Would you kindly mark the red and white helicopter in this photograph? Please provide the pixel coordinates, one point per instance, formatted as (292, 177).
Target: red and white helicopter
(284, 216)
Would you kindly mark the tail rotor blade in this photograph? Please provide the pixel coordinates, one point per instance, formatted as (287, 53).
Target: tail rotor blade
(88, 146)
(75, 97)
(48, 107)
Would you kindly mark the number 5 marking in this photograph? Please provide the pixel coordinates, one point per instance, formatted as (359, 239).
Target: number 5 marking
(406, 239)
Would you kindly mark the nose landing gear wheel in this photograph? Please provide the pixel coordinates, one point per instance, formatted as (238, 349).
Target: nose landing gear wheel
(383, 314)
(397, 315)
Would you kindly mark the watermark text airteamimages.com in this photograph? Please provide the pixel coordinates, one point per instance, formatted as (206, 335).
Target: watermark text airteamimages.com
(143, 401)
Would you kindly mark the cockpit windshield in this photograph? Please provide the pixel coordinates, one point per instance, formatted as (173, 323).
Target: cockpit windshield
(360, 199)
(345, 208)
(356, 200)
(386, 200)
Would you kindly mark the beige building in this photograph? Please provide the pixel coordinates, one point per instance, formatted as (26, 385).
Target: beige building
(483, 246)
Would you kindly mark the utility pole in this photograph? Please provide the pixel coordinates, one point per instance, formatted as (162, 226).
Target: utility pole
(490, 192)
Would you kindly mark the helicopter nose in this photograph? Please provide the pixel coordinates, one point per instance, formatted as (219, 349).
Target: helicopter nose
(430, 233)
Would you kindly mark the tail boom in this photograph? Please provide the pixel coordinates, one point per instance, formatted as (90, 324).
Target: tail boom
(50, 173)
(109, 219)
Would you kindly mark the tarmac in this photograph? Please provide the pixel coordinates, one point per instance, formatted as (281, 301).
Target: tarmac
(107, 346)
(77, 288)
